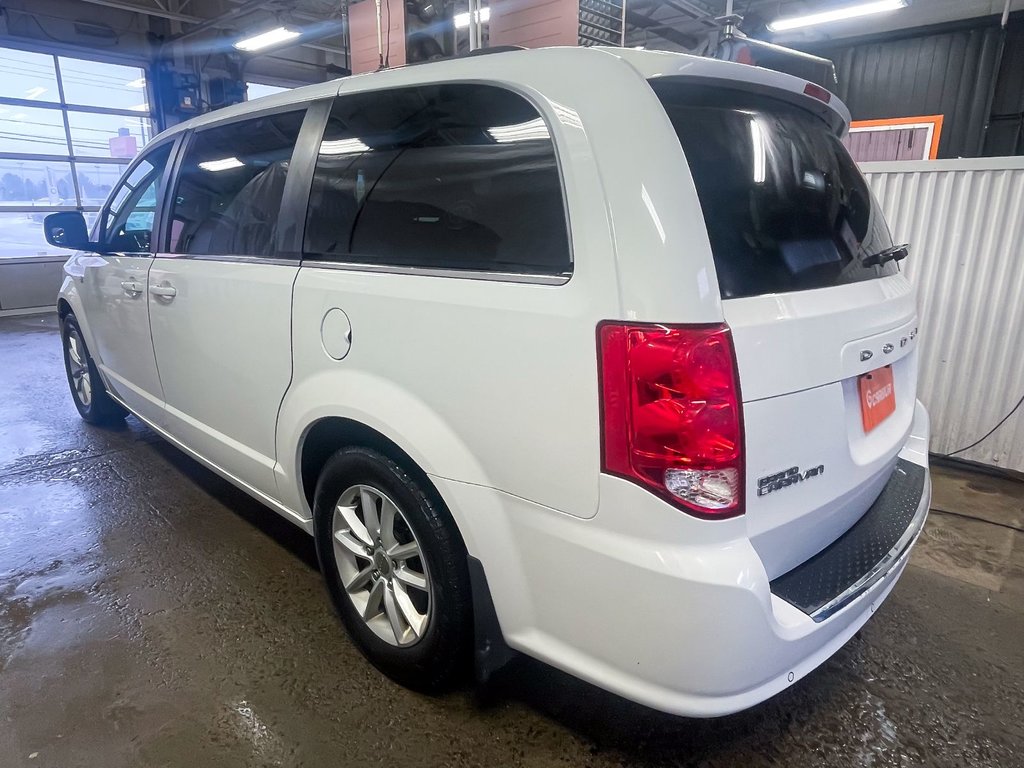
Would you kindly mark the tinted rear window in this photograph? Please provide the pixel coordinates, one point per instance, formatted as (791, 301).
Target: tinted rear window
(458, 176)
(786, 207)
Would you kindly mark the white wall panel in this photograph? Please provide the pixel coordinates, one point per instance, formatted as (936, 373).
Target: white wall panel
(30, 283)
(964, 220)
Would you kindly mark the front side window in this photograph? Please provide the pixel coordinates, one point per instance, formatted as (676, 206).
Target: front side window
(128, 220)
(227, 200)
(454, 176)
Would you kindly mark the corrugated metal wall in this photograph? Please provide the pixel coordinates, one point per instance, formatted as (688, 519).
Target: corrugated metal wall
(964, 220)
(951, 73)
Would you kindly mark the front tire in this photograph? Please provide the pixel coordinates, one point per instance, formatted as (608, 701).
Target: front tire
(91, 399)
(395, 568)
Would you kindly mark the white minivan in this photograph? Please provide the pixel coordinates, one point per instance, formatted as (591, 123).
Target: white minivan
(599, 355)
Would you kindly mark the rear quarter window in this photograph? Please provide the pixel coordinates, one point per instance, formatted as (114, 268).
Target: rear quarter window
(785, 206)
(455, 176)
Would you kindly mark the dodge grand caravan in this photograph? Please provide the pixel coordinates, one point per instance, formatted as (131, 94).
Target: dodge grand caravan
(603, 356)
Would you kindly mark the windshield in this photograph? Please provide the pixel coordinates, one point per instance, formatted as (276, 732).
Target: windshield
(786, 207)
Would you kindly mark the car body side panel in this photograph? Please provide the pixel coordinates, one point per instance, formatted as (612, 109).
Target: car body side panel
(119, 326)
(224, 354)
(437, 366)
(649, 261)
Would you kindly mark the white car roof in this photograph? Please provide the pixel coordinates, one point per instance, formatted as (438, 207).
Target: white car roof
(649, 64)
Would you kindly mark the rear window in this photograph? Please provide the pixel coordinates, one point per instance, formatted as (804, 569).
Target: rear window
(785, 206)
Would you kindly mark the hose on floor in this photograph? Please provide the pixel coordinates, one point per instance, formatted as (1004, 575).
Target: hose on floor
(987, 434)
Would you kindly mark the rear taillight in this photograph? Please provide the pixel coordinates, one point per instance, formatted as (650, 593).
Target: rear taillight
(671, 414)
(817, 92)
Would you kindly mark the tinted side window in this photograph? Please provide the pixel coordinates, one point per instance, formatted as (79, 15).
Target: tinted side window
(450, 176)
(228, 195)
(128, 221)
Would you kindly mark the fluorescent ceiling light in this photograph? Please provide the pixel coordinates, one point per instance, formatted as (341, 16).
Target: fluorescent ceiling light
(837, 14)
(139, 82)
(462, 19)
(224, 164)
(528, 131)
(266, 39)
(35, 93)
(343, 147)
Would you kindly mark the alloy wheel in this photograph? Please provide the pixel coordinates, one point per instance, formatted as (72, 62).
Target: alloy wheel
(78, 367)
(382, 568)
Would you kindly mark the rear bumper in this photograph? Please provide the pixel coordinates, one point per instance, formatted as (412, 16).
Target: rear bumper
(672, 612)
(864, 555)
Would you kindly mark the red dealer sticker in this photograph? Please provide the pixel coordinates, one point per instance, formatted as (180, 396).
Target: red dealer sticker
(877, 397)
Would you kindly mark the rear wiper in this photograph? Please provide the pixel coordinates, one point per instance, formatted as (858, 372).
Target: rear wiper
(895, 253)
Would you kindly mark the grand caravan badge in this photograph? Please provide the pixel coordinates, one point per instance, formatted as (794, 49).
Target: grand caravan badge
(786, 478)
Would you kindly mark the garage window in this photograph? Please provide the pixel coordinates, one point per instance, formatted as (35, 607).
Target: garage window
(229, 190)
(68, 130)
(460, 177)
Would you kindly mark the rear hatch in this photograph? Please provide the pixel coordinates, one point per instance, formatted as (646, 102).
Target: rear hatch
(814, 310)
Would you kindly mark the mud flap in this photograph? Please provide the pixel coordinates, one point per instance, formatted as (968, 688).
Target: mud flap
(490, 653)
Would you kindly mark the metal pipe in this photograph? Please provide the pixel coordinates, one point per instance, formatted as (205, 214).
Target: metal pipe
(217, 21)
(1006, 15)
(474, 32)
(380, 36)
(159, 13)
(479, 24)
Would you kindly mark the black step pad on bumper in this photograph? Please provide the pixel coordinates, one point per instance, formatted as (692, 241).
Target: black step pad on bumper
(857, 559)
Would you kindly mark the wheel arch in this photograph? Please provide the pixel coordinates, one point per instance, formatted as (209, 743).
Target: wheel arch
(323, 438)
(328, 434)
(329, 409)
(69, 302)
(63, 308)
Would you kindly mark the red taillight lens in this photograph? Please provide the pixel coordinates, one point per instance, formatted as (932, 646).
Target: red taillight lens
(817, 92)
(671, 414)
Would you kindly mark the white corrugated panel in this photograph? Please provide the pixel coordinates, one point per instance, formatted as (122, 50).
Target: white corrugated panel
(964, 220)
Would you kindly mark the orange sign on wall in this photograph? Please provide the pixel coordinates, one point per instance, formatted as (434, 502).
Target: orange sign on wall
(895, 138)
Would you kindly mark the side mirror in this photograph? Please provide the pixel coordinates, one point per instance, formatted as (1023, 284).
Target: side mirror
(67, 230)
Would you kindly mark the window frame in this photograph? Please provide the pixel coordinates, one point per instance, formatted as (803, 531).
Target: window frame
(291, 223)
(347, 265)
(99, 232)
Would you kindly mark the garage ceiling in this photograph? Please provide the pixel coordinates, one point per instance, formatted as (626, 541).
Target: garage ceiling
(674, 23)
(245, 15)
(208, 24)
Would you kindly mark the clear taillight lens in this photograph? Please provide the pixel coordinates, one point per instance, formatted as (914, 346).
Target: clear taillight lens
(671, 413)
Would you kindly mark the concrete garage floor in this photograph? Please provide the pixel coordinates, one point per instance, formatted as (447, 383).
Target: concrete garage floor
(152, 615)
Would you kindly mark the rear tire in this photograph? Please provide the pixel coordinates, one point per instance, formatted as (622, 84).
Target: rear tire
(91, 399)
(395, 568)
